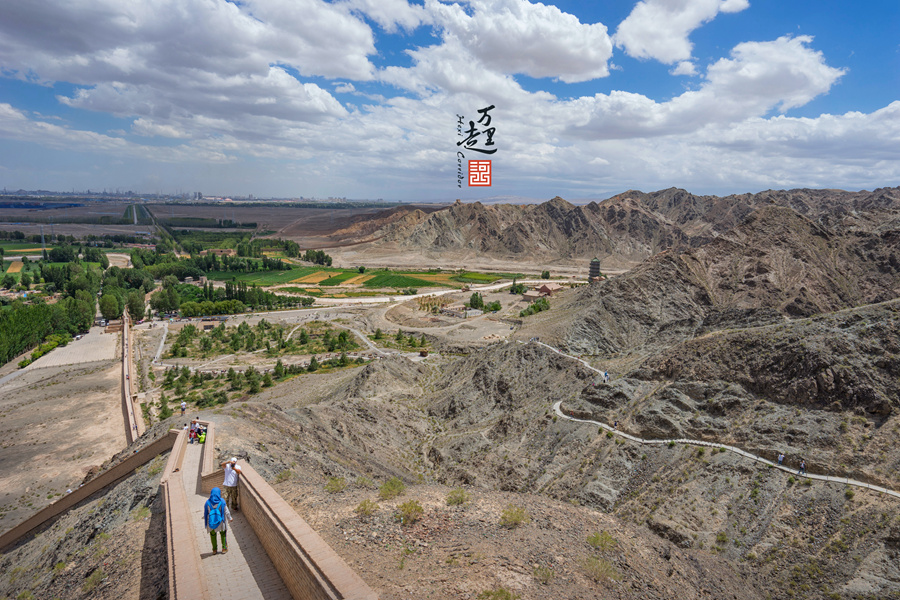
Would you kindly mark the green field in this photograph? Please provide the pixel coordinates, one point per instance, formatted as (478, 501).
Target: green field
(399, 280)
(474, 277)
(270, 277)
(340, 278)
(379, 279)
(12, 247)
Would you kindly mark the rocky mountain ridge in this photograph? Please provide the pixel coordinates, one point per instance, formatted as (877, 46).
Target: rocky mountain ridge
(622, 230)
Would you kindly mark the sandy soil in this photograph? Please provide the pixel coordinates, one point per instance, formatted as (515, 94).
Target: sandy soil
(55, 424)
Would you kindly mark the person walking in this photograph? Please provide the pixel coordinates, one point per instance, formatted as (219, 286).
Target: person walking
(780, 458)
(216, 517)
(802, 470)
(183, 406)
(232, 472)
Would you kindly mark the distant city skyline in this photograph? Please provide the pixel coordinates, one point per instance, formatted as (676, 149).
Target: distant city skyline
(361, 98)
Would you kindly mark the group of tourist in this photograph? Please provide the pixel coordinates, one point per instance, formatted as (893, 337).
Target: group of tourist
(196, 432)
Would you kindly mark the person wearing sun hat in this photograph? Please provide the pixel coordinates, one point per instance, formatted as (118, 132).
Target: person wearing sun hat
(232, 472)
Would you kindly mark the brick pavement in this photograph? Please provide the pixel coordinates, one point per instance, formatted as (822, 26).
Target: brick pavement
(245, 573)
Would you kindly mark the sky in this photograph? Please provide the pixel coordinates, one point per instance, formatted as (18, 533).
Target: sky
(362, 98)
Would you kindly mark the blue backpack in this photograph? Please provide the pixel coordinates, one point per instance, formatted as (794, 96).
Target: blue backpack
(215, 516)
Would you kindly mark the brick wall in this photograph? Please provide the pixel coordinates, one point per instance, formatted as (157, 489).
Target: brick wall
(186, 578)
(112, 475)
(308, 566)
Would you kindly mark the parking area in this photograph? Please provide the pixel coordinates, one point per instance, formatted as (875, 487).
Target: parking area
(92, 347)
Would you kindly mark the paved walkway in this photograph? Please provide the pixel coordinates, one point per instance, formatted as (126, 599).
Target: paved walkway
(245, 573)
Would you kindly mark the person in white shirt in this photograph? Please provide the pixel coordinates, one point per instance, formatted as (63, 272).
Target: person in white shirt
(232, 472)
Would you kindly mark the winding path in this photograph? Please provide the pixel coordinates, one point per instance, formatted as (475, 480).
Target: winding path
(557, 408)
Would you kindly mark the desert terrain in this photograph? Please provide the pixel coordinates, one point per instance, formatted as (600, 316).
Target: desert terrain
(766, 322)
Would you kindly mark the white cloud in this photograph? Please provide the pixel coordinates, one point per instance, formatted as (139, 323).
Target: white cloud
(760, 77)
(659, 29)
(390, 14)
(516, 36)
(685, 67)
(147, 128)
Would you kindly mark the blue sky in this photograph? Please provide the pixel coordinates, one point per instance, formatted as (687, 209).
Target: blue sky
(358, 98)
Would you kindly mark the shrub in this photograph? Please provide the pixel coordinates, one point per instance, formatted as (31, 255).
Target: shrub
(671, 444)
(544, 574)
(335, 485)
(849, 493)
(602, 541)
(366, 508)
(365, 482)
(721, 538)
(599, 569)
(457, 497)
(391, 488)
(409, 512)
(140, 513)
(283, 476)
(513, 516)
(93, 580)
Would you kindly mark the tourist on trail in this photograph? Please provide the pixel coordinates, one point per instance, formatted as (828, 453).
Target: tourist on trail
(802, 470)
(780, 458)
(215, 518)
(193, 432)
(232, 471)
(183, 406)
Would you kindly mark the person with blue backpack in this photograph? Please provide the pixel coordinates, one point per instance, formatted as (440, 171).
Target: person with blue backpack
(216, 517)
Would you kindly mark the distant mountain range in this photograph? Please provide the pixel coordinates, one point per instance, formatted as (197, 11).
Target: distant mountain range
(621, 231)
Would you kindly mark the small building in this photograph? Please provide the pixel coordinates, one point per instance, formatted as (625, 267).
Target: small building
(219, 252)
(532, 295)
(548, 289)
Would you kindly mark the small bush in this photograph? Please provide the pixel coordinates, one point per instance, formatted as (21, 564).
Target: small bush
(366, 508)
(599, 569)
(721, 538)
(602, 541)
(335, 485)
(457, 497)
(391, 488)
(140, 513)
(498, 594)
(365, 482)
(513, 516)
(93, 580)
(544, 574)
(791, 480)
(671, 444)
(283, 476)
(609, 434)
(849, 493)
(409, 512)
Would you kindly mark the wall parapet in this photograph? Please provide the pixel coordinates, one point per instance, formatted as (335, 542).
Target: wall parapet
(186, 578)
(110, 476)
(309, 567)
